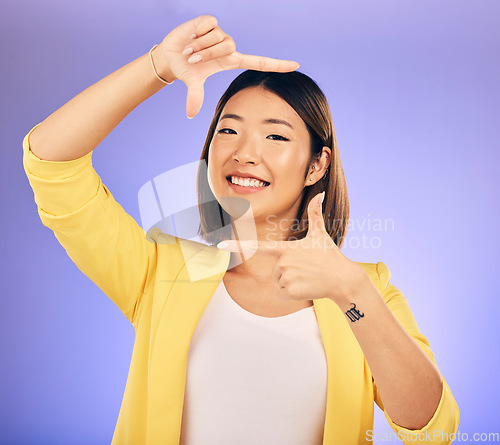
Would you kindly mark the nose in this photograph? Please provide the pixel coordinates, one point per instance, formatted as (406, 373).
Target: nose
(247, 150)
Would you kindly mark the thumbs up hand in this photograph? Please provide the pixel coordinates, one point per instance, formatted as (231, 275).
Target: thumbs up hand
(309, 268)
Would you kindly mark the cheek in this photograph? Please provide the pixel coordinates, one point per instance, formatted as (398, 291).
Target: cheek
(214, 170)
(290, 176)
(209, 179)
(293, 161)
(211, 169)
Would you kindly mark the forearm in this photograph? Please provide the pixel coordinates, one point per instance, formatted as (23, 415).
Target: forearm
(408, 382)
(80, 125)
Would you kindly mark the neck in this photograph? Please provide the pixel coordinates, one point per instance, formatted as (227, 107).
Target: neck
(256, 265)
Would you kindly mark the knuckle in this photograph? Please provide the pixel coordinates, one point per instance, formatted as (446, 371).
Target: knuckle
(231, 44)
(219, 34)
(285, 279)
(212, 20)
(204, 21)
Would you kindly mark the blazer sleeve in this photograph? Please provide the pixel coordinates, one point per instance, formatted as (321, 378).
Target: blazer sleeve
(104, 241)
(443, 425)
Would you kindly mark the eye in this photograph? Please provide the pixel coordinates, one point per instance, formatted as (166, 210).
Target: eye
(281, 138)
(223, 130)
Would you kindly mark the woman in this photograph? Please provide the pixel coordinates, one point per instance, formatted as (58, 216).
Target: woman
(284, 340)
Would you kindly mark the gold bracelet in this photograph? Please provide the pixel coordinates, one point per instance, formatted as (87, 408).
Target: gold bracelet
(153, 65)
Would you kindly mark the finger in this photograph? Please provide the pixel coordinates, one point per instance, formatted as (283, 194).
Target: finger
(260, 63)
(194, 99)
(253, 246)
(213, 37)
(223, 48)
(204, 24)
(315, 214)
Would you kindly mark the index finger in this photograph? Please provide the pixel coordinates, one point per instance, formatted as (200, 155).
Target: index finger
(249, 247)
(260, 63)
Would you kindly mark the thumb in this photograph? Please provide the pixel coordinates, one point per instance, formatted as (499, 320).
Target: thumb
(315, 215)
(194, 99)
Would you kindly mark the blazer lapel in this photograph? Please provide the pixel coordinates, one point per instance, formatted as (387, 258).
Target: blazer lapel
(177, 321)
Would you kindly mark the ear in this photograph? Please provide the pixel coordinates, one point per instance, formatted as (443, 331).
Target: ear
(326, 157)
(317, 169)
(323, 162)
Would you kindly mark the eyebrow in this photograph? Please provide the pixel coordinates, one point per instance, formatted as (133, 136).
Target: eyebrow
(265, 121)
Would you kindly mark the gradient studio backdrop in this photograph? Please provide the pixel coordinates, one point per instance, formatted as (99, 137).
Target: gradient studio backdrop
(413, 88)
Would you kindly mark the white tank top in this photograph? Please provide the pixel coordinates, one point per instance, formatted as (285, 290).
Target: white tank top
(254, 380)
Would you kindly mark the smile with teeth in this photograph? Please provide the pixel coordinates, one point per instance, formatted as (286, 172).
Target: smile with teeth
(247, 182)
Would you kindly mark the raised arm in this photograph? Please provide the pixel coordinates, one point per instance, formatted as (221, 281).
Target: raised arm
(81, 124)
(104, 242)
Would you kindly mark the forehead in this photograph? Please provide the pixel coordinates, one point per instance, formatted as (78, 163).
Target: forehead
(256, 104)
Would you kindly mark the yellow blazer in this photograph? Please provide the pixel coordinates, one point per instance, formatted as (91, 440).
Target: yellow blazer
(163, 289)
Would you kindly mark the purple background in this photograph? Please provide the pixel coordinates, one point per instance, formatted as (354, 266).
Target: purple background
(413, 88)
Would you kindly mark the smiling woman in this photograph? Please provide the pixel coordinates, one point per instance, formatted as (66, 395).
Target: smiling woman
(276, 127)
(281, 340)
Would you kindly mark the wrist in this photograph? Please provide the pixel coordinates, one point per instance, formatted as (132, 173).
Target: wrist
(360, 285)
(160, 68)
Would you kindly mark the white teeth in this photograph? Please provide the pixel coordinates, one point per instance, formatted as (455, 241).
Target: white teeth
(245, 182)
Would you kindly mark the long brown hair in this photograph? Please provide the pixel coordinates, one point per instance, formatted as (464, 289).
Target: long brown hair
(309, 102)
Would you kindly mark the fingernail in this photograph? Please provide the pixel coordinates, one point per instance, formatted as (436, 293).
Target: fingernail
(322, 198)
(188, 51)
(194, 59)
(193, 36)
(222, 245)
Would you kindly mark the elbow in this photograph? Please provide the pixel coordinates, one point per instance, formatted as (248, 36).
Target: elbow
(424, 412)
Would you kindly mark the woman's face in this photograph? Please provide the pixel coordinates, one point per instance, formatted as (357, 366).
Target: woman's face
(260, 135)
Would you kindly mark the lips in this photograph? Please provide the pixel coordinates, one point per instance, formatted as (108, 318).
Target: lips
(228, 179)
(245, 175)
(240, 189)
